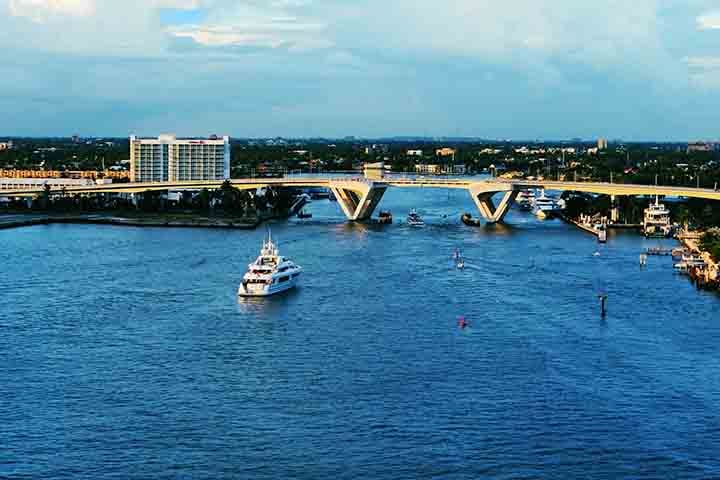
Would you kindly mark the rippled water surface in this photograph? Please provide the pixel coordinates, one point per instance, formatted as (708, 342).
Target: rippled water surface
(124, 353)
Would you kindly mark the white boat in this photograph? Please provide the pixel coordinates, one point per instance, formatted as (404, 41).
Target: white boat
(414, 219)
(656, 222)
(525, 200)
(269, 274)
(545, 207)
(689, 261)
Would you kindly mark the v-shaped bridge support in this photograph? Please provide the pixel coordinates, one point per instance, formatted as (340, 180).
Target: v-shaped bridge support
(484, 202)
(358, 199)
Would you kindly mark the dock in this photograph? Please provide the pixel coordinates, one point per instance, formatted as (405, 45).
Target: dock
(600, 234)
(659, 251)
(709, 276)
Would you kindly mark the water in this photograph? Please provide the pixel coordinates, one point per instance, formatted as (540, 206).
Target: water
(126, 354)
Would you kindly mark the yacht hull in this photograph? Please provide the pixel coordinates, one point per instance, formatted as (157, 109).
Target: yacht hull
(259, 290)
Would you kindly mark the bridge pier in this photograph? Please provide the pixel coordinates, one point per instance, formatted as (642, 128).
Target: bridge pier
(357, 199)
(484, 201)
(614, 209)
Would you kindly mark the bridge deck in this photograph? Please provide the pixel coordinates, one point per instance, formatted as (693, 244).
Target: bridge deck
(489, 185)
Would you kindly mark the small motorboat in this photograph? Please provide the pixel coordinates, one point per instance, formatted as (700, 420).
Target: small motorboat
(385, 217)
(414, 219)
(468, 220)
(461, 264)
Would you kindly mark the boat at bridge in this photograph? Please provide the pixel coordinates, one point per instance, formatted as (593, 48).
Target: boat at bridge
(525, 200)
(270, 273)
(468, 220)
(545, 207)
(385, 217)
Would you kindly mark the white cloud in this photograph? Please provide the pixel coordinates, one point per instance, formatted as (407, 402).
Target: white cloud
(177, 4)
(703, 63)
(41, 10)
(709, 21)
(248, 26)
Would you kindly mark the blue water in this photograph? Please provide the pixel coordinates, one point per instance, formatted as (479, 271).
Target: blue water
(124, 353)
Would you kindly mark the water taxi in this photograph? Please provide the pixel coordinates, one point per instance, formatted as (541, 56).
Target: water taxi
(269, 274)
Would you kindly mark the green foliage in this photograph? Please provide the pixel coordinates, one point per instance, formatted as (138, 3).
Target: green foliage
(710, 242)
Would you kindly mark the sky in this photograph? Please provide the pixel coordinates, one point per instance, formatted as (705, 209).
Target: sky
(515, 69)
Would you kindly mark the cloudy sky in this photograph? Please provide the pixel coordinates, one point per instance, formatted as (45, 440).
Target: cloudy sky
(632, 69)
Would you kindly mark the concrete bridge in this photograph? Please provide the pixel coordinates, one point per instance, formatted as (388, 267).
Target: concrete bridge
(359, 196)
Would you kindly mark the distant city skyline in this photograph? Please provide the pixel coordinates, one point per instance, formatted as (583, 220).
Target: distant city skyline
(648, 70)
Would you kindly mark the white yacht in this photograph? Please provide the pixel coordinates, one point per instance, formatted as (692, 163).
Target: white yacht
(656, 222)
(525, 200)
(414, 219)
(269, 273)
(545, 207)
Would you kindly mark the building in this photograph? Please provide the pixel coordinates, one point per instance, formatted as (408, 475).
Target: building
(374, 171)
(435, 169)
(602, 144)
(445, 152)
(6, 145)
(699, 147)
(428, 169)
(44, 174)
(7, 183)
(168, 158)
(414, 153)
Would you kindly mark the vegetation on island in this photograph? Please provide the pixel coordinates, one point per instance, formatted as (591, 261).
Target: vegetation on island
(225, 202)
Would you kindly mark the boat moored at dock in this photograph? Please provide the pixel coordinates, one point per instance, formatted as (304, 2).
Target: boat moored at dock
(656, 221)
(525, 200)
(545, 207)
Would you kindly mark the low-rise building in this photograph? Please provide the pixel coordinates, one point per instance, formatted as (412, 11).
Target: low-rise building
(35, 183)
(699, 147)
(436, 169)
(445, 152)
(414, 153)
(428, 168)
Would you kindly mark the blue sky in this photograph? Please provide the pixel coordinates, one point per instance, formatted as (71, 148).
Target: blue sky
(520, 69)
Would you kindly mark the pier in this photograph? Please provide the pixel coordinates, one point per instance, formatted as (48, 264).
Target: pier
(586, 224)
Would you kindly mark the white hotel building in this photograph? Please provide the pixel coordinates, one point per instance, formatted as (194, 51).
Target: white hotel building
(168, 158)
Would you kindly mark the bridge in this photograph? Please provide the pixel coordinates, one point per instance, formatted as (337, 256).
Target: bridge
(359, 196)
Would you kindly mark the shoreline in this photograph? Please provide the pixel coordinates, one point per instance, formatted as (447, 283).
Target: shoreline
(708, 277)
(153, 222)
